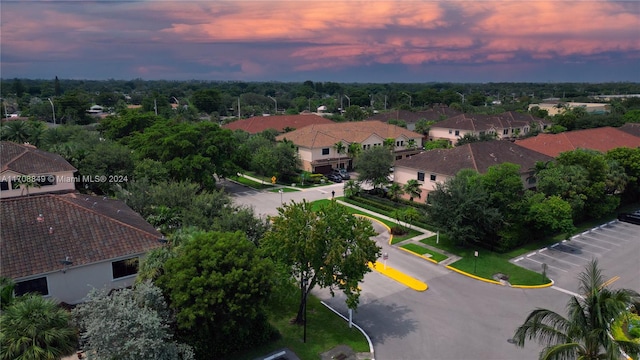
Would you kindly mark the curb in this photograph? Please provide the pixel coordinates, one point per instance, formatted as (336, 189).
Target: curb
(381, 223)
(473, 276)
(549, 284)
(418, 255)
(356, 326)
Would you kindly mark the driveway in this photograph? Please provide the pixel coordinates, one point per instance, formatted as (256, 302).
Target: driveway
(459, 318)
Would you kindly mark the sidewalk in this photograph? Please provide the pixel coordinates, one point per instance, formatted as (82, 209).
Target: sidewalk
(451, 258)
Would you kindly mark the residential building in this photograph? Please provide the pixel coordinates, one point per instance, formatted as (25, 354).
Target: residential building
(436, 113)
(602, 139)
(437, 166)
(62, 246)
(316, 144)
(631, 128)
(26, 170)
(280, 123)
(507, 125)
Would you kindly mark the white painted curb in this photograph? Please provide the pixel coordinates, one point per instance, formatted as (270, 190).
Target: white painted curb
(373, 357)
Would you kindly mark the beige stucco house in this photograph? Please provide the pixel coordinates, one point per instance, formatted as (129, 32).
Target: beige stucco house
(437, 166)
(318, 150)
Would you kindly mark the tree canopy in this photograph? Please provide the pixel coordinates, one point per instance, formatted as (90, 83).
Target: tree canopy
(327, 247)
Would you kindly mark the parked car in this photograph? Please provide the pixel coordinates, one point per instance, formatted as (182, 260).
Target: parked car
(630, 218)
(342, 173)
(335, 178)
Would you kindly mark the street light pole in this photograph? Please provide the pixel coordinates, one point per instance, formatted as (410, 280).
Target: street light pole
(53, 110)
(276, 101)
(280, 191)
(304, 334)
(462, 95)
(409, 98)
(348, 98)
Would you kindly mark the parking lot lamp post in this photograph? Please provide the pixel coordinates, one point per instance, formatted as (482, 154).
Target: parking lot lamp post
(280, 191)
(275, 101)
(53, 110)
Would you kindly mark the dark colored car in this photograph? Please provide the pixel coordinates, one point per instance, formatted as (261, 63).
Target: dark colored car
(342, 173)
(334, 177)
(630, 218)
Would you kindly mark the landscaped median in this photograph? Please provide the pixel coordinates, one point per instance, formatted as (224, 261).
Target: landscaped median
(398, 276)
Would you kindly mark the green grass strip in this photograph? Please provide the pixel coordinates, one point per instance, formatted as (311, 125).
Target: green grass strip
(437, 257)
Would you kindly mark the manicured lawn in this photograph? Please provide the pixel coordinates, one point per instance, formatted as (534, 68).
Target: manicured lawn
(423, 250)
(487, 264)
(284, 189)
(251, 183)
(325, 330)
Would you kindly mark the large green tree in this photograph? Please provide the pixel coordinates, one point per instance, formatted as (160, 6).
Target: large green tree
(327, 247)
(584, 333)
(373, 166)
(35, 328)
(207, 100)
(129, 324)
(218, 286)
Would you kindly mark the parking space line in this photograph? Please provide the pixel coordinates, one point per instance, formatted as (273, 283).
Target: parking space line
(590, 244)
(602, 240)
(579, 249)
(551, 266)
(605, 233)
(567, 291)
(561, 260)
(568, 253)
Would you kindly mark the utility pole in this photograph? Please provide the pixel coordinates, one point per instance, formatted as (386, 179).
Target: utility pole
(155, 106)
(53, 110)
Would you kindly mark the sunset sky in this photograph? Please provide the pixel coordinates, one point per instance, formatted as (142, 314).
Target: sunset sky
(341, 41)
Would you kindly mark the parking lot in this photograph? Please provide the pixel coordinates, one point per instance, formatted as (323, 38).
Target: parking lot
(613, 244)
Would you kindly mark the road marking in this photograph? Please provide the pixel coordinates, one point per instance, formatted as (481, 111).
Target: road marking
(567, 291)
(610, 281)
(554, 245)
(568, 253)
(530, 255)
(602, 240)
(518, 259)
(551, 266)
(562, 260)
(590, 244)
(541, 250)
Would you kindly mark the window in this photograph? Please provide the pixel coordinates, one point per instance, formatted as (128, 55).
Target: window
(432, 177)
(398, 157)
(46, 180)
(505, 132)
(325, 151)
(450, 131)
(420, 176)
(482, 133)
(457, 132)
(4, 185)
(124, 268)
(38, 285)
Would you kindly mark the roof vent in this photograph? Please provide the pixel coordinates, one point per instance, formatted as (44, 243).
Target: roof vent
(50, 230)
(40, 218)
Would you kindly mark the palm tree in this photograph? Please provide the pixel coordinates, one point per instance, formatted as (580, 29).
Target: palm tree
(584, 334)
(354, 150)
(16, 131)
(389, 143)
(412, 188)
(6, 292)
(395, 191)
(411, 144)
(36, 328)
(351, 189)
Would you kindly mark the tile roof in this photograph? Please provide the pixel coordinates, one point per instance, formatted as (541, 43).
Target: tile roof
(601, 139)
(478, 156)
(86, 228)
(481, 122)
(256, 124)
(631, 128)
(27, 159)
(323, 135)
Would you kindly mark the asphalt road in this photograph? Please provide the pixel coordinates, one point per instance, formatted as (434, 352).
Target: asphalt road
(457, 318)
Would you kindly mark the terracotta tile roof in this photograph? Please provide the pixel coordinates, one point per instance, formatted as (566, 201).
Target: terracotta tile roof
(601, 139)
(323, 135)
(481, 122)
(256, 124)
(26, 159)
(478, 156)
(86, 228)
(631, 128)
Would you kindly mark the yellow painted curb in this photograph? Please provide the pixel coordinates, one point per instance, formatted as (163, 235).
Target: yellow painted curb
(381, 223)
(549, 284)
(418, 255)
(396, 275)
(473, 276)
